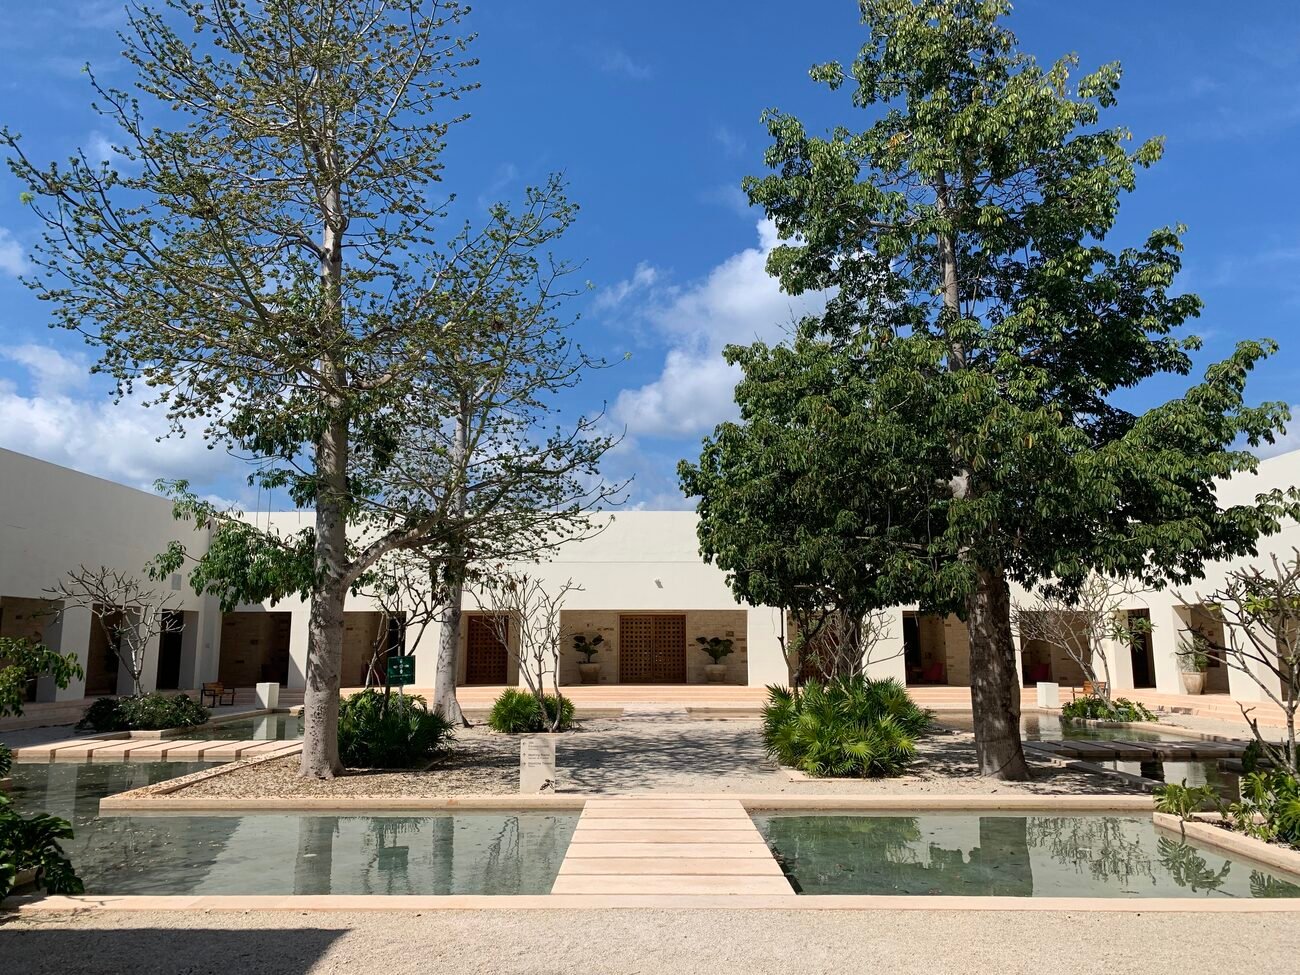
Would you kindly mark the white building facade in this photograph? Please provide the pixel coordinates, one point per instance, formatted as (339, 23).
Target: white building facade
(643, 589)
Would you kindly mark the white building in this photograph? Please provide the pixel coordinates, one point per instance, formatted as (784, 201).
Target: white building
(644, 589)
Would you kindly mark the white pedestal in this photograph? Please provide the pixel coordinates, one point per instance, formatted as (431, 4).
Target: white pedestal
(267, 695)
(1049, 694)
(537, 764)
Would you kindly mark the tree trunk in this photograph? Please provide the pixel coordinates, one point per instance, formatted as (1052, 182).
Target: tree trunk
(995, 685)
(320, 744)
(444, 687)
(444, 678)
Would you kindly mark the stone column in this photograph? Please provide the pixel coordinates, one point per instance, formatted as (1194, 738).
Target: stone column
(299, 627)
(763, 644)
(424, 648)
(1166, 627)
(69, 633)
(886, 658)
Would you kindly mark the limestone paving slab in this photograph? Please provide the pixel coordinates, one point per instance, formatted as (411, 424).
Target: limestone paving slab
(677, 847)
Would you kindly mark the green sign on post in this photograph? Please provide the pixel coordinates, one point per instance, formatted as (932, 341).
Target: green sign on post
(401, 671)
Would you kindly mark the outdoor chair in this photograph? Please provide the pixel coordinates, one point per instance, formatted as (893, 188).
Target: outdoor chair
(217, 693)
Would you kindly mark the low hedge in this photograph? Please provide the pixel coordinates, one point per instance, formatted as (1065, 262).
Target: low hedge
(150, 712)
(1119, 709)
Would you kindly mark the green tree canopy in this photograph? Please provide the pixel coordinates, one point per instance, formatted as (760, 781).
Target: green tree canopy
(978, 306)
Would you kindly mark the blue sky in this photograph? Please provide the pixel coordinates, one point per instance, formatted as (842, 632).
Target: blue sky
(651, 110)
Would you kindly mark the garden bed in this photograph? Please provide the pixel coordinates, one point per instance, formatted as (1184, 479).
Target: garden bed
(479, 763)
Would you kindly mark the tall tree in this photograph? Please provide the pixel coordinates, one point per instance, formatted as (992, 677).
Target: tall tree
(278, 169)
(963, 229)
(485, 443)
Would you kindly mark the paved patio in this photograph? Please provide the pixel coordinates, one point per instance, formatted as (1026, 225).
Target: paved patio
(665, 942)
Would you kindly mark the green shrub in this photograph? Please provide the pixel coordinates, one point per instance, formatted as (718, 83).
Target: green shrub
(1120, 709)
(1184, 801)
(6, 760)
(32, 843)
(847, 727)
(516, 712)
(150, 712)
(1269, 808)
(390, 731)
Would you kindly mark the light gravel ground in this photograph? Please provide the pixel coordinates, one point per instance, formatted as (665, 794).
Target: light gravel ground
(651, 943)
(666, 754)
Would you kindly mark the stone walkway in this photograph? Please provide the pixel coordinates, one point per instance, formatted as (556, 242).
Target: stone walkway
(154, 750)
(1141, 751)
(643, 845)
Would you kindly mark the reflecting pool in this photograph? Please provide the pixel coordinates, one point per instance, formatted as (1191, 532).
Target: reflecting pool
(464, 853)
(1020, 856)
(263, 727)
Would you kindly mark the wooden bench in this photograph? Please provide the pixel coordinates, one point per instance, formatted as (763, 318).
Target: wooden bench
(217, 693)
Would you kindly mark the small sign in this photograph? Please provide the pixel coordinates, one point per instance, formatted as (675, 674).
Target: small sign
(401, 670)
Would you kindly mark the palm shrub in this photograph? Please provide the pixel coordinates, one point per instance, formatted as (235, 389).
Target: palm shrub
(378, 730)
(32, 843)
(850, 726)
(517, 712)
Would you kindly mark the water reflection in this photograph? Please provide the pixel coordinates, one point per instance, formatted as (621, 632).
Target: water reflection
(465, 853)
(1045, 856)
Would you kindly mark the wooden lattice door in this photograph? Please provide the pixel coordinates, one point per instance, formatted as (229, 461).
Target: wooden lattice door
(485, 654)
(652, 649)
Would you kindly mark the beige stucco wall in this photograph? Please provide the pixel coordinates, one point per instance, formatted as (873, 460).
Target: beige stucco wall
(730, 624)
(52, 519)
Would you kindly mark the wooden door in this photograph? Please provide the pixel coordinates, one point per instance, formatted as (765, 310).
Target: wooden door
(652, 649)
(485, 654)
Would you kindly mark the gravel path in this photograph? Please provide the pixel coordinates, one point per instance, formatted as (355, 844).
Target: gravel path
(651, 942)
(668, 754)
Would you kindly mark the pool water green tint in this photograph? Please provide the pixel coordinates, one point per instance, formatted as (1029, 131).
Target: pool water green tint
(263, 727)
(465, 853)
(1020, 856)
(1047, 727)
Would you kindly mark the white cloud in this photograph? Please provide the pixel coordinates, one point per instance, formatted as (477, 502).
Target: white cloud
(99, 149)
(730, 143)
(51, 371)
(13, 258)
(1286, 442)
(641, 280)
(615, 60)
(729, 197)
(737, 302)
(118, 441)
(506, 174)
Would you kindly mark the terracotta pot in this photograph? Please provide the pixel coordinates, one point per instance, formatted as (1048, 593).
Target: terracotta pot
(715, 673)
(590, 673)
(1194, 682)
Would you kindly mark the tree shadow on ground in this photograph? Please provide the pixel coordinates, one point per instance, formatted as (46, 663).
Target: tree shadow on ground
(44, 944)
(663, 755)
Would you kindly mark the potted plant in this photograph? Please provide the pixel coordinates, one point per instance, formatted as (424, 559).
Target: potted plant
(588, 670)
(717, 648)
(1192, 662)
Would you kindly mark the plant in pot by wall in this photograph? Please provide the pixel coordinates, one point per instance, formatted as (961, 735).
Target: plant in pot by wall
(717, 648)
(588, 669)
(1192, 662)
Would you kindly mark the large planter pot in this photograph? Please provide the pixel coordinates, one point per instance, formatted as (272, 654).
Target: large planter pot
(590, 673)
(1194, 682)
(715, 673)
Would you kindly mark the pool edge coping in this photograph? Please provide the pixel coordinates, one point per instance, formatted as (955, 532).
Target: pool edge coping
(1205, 833)
(326, 903)
(126, 804)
